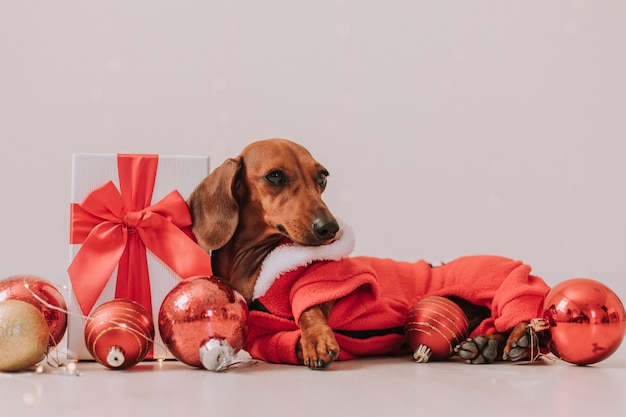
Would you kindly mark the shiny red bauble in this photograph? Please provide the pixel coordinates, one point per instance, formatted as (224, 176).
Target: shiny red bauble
(203, 322)
(433, 327)
(29, 288)
(119, 333)
(586, 319)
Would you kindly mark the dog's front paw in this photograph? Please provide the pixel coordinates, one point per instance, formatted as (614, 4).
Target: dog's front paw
(481, 349)
(317, 350)
(521, 343)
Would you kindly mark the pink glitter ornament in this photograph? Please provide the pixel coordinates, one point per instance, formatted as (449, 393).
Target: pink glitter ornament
(203, 322)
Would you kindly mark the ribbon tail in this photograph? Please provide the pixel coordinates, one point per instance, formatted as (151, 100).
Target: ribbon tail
(94, 263)
(133, 281)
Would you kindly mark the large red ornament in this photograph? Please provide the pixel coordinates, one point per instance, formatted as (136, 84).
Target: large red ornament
(433, 327)
(203, 322)
(587, 321)
(119, 333)
(28, 288)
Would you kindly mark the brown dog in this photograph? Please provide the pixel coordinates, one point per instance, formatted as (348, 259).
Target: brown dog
(273, 191)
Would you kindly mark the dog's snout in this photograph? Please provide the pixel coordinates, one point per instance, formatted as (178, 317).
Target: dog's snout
(325, 227)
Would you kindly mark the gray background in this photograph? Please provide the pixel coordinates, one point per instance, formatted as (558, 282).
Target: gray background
(449, 128)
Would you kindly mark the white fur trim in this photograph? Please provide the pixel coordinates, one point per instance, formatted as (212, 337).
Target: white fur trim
(291, 256)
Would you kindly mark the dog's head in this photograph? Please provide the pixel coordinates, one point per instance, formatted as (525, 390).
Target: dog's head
(273, 188)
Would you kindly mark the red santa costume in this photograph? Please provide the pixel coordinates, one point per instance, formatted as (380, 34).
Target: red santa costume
(374, 295)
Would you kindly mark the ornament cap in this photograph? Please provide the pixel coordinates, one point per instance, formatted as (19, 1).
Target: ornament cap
(115, 358)
(422, 354)
(217, 354)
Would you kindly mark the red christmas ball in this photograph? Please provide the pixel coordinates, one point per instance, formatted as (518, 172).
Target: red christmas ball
(433, 327)
(119, 333)
(203, 322)
(587, 321)
(29, 288)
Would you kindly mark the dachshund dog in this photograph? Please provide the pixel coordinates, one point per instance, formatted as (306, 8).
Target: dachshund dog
(271, 193)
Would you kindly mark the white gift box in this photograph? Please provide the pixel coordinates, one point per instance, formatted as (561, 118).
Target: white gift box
(90, 171)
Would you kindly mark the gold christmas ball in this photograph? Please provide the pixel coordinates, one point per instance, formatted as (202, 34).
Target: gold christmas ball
(24, 335)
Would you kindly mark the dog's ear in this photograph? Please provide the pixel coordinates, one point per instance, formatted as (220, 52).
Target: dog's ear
(214, 208)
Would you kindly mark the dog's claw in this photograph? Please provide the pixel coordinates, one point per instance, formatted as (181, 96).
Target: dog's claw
(318, 364)
(321, 364)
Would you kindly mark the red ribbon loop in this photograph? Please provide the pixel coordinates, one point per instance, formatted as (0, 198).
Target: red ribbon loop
(102, 223)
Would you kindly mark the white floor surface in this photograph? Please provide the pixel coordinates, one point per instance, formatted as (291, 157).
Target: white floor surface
(386, 387)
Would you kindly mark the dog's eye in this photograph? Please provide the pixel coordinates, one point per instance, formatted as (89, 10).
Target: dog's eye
(322, 179)
(277, 178)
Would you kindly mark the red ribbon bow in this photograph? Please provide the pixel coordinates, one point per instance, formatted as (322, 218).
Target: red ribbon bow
(116, 228)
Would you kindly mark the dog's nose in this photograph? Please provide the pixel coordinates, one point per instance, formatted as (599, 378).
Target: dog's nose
(325, 228)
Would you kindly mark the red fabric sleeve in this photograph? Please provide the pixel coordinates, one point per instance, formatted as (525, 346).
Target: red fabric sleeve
(271, 338)
(330, 281)
(519, 298)
(503, 285)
